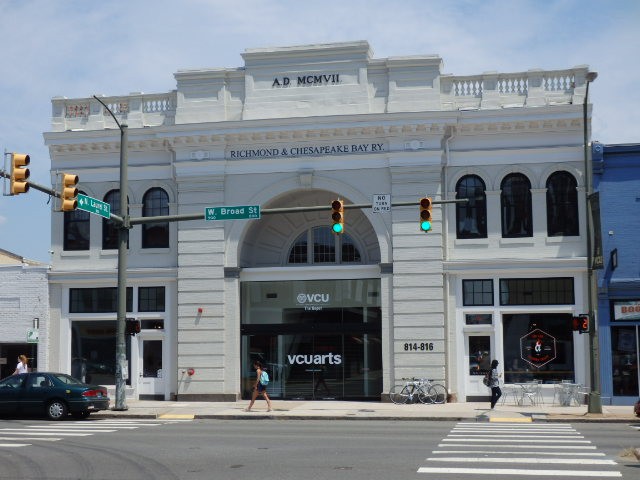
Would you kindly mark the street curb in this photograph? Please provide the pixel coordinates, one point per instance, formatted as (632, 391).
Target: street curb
(266, 416)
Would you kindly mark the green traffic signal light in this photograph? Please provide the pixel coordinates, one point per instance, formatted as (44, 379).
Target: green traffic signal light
(425, 213)
(337, 228)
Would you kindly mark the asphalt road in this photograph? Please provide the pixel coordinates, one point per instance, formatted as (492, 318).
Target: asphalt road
(307, 449)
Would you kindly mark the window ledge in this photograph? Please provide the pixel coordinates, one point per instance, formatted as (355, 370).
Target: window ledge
(76, 253)
(528, 241)
(562, 239)
(471, 241)
(155, 250)
(109, 253)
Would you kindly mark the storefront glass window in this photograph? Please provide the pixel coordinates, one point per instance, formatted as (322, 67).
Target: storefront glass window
(624, 355)
(93, 352)
(556, 328)
(317, 339)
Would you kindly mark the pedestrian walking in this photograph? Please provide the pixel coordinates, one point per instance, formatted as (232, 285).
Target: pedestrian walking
(23, 365)
(494, 383)
(259, 387)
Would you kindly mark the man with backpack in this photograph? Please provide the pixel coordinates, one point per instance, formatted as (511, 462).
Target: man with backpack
(262, 379)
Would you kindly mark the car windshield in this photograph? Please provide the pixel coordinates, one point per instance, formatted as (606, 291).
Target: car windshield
(13, 381)
(61, 377)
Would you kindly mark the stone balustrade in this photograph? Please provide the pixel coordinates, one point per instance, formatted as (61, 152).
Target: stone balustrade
(136, 110)
(490, 90)
(521, 89)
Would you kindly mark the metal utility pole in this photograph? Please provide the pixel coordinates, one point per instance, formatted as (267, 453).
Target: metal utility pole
(122, 367)
(595, 401)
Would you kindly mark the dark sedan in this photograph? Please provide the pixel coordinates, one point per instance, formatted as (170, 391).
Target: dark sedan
(53, 394)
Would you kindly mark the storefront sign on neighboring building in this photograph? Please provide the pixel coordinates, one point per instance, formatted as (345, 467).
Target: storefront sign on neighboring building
(537, 348)
(625, 311)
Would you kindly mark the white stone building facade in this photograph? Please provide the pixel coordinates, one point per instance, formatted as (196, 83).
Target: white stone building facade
(331, 316)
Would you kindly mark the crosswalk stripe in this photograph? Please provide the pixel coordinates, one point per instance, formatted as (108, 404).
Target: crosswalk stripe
(517, 471)
(528, 452)
(524, 427)
(53, 429)
(497, 435)
(529, 460)
(511, 440)
(15, 431)
(537, 430)
(10, 445)
(40, 439)
(554, 447)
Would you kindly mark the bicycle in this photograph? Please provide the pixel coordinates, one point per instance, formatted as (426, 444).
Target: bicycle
(422, 388)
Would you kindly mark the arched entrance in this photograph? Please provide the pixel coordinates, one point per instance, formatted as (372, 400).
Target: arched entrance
(310, 303)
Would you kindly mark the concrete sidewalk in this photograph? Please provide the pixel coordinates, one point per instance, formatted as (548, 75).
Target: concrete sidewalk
(344, 410)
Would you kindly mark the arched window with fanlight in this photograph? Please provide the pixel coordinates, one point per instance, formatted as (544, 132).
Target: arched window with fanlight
(76, 230)
(562, 205)
(319, 245)
(515, 204)
(155, 203)
(471, 217)
(109, 228)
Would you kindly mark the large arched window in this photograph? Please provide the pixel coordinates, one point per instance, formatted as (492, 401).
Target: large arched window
(154, 203)
(562, 205)
(76, 230)
(515, 203)
(326, 248)
(109, 228)
(471, 217)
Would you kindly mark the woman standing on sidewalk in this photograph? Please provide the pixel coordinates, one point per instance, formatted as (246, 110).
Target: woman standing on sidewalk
(259, 388)
(494, 383)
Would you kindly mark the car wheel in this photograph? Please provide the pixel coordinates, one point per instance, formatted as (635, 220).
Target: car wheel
(56, 410)
(84, 414)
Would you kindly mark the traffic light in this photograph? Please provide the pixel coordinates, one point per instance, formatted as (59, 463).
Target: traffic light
(581, 324)
(337, 216)
(19, 174)
(132, 326)
(426, 206)
(68, 201)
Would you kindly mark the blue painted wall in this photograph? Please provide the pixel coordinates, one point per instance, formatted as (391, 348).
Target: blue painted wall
(616, 176)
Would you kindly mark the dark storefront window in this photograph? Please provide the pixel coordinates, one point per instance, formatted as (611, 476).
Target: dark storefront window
(76, 230)
(536, 291)
(562, 205)
(93, 351)
(624, 360)
(477, 292)
(471, 217)
(97, 300)
(554, 326)
(151, 299)
(317, 339)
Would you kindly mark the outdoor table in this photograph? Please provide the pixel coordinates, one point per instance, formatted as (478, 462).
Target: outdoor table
(567, 392)
(528, 390)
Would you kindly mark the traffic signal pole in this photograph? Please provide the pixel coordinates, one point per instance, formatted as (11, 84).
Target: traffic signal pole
(122, 367)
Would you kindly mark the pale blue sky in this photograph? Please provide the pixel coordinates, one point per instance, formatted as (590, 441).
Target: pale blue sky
(77, 48)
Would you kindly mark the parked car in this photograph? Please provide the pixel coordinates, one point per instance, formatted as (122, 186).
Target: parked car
(53, 394)
(636, 408)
